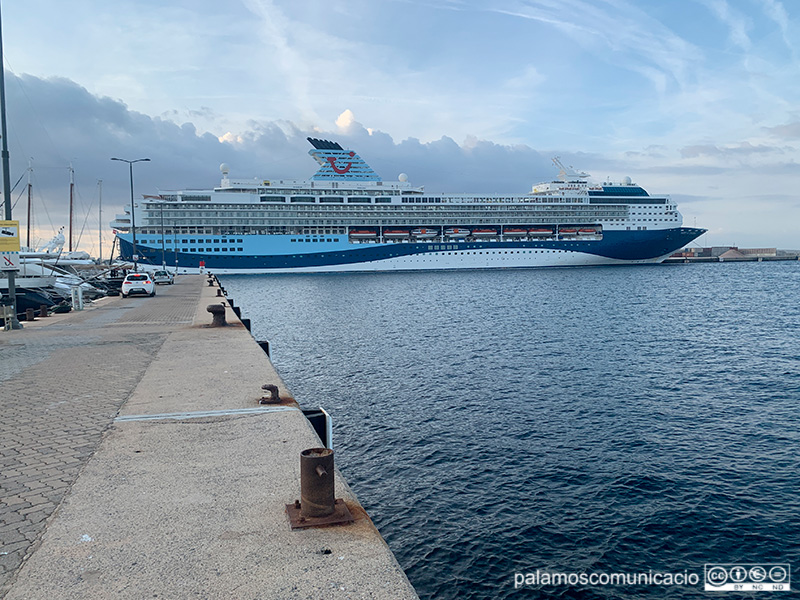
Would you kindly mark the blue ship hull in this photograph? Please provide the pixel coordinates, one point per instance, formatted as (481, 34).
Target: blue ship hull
(334, 253)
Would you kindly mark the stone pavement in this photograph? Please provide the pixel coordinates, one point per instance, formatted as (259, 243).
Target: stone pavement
(62, 381)
(106, 492)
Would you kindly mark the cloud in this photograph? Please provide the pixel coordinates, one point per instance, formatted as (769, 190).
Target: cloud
(789, 131)
(743, 149)
(58, 122)
(737, 23)
(347, 121)
(777, 12)
(615, 31)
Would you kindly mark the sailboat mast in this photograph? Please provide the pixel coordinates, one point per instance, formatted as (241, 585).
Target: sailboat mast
(30, 187)
(71, 188)
(100, 215)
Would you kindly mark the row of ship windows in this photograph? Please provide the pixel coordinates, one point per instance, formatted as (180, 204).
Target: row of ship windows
(312, 200)
(214, 210)
(430, 222)
(507, 252)
(432, 248)
(211, 249)
(416, 200)
(191, 241)
(474, 252)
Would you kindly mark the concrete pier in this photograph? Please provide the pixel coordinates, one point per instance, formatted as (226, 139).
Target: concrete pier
(137, 462)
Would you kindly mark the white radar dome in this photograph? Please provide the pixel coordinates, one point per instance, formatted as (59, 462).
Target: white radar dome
(626, 181)
(224, 168)
(402, 177)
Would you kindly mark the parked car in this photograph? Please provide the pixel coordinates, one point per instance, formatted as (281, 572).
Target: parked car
(138, 283)
(163, 277)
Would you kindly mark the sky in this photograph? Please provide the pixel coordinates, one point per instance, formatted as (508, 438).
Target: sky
(699, 99)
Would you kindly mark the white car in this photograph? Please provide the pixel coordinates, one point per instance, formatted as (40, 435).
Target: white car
(138, 283)
(163, 277)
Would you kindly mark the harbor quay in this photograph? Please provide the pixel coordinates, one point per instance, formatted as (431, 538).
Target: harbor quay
(137, 461)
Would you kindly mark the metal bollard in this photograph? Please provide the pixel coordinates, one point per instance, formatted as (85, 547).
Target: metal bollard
(43, 310)
(29, 314)
(317, 507)
(219, 293)
(274, 396)
(218, 313)
(316, 483)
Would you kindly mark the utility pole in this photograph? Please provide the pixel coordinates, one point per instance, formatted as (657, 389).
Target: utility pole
(71, 188)
(12, 288)
(30, 195)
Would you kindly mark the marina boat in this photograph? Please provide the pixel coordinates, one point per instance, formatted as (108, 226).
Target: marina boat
(347, 218)
(28, 295)
(51, 273)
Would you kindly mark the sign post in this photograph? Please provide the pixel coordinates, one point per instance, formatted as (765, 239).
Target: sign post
(9, 260)
(9, 246)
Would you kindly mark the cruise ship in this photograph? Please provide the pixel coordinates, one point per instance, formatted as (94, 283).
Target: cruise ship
(346, 218)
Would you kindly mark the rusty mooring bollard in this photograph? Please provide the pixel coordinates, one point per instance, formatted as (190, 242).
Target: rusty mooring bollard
(43, 310)
(273, 397)
(29, 314)
(218, 313)
(316, 483)
(317, 506)
(210, 282)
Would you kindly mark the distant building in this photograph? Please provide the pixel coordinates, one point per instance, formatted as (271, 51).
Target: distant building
(725, 252)
(759, 251)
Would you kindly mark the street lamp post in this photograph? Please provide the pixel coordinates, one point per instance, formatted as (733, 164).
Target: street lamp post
(133, 212)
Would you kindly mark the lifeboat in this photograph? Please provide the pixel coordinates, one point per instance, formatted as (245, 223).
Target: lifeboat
(484, 232)
(540, 232)
(395, 234)
(457, 232)
(587, 231)
(568, 231)
(515, 232)
(363, 234)
(424, 233)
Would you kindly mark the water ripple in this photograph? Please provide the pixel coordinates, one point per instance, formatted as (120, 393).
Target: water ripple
(578, 420)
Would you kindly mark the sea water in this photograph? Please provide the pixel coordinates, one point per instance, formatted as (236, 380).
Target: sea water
(494, 424)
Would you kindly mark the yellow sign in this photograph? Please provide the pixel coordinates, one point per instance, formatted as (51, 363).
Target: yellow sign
(9, 236)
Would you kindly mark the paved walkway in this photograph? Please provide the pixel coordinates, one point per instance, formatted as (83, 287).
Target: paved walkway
(62, 381)
(104, 494)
